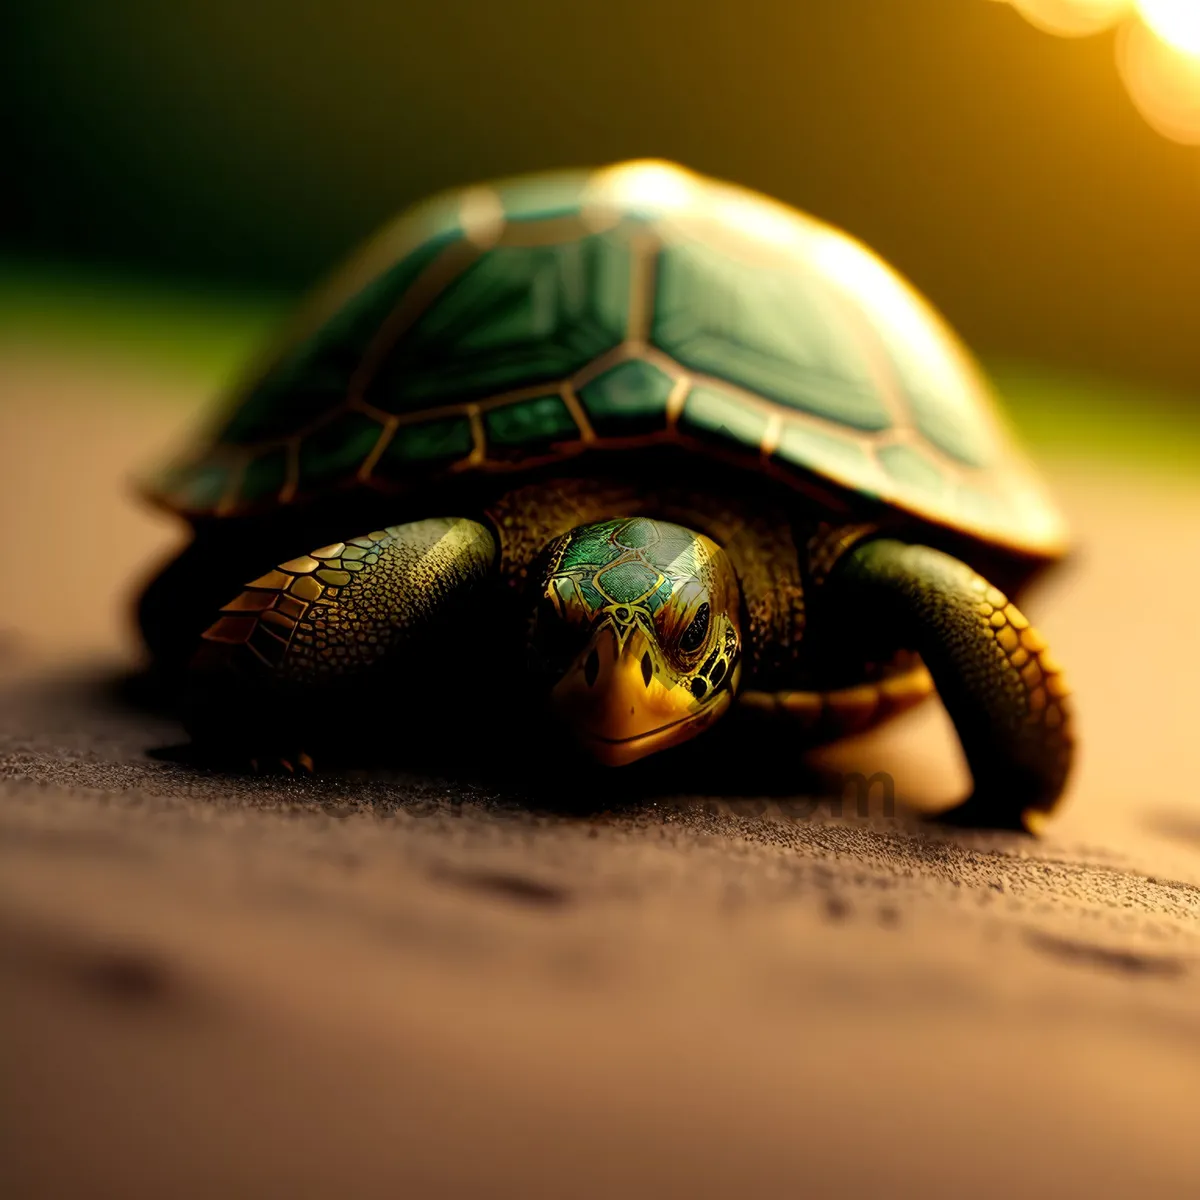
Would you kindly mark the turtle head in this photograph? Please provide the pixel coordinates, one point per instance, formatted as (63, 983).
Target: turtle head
(637, 635)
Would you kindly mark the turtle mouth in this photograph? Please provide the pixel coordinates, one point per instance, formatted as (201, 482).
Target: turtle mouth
(617, 752)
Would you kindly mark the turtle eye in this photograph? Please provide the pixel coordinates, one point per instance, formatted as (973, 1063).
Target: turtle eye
(694, 635)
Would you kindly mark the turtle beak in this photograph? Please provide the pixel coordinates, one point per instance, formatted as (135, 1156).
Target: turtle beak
(622, 702)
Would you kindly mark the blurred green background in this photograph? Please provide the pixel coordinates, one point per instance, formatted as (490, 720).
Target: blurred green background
(231, 152)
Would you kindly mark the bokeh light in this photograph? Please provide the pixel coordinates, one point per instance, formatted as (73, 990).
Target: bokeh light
(1163, 82)
(1177, 22)
(1073, 18)
(648, 185)
(1158, 52)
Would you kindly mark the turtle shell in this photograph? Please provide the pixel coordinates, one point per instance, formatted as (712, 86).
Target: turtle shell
(513, 325)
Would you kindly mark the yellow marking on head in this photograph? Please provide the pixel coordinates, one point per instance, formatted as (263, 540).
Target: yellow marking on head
(1050, 664)
(1032, 673)
(1019, 657)
(333, 550)
(1037, 700)
(984, 609)
(996, 598)
(998, 620)
(638, 669)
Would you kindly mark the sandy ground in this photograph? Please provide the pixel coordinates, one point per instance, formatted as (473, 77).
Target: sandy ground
(400, 985)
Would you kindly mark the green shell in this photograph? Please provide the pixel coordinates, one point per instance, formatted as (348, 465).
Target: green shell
(535, 320)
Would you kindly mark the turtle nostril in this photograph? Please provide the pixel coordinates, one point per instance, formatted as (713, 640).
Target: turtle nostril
(591, 668)
(647, 668)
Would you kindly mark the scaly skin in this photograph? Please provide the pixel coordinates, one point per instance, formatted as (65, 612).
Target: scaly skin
(1006, 695)
(756, 534)
(347, 606)
(638, 635)
(329, 620)
(300, 640)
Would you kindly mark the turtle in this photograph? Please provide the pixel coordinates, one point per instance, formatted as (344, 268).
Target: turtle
(608, 454)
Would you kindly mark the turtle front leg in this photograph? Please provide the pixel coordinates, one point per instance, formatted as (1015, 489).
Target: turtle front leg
(308, 644)
(1005, 694)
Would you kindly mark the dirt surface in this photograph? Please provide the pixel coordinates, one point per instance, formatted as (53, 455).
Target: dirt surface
(404, 985)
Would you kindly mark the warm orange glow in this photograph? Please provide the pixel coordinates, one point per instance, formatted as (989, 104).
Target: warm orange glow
(1158, 52)
(1177, 22)
(648, 184)
(759, 217)
(1074, 18)
(1163, 81)
(898, 315)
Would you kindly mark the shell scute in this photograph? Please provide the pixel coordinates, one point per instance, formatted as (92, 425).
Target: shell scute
(712, 413)
(630, 398)
(334, 450)
(528, 320)
(424, 445)
(764, 329)
(525, 424)
(825, 451)
(310, 379)
(519, 316)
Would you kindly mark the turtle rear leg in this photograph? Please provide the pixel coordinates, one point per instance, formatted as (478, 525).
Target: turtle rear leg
(306, 646)
(825, 716)
(1003, 691)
